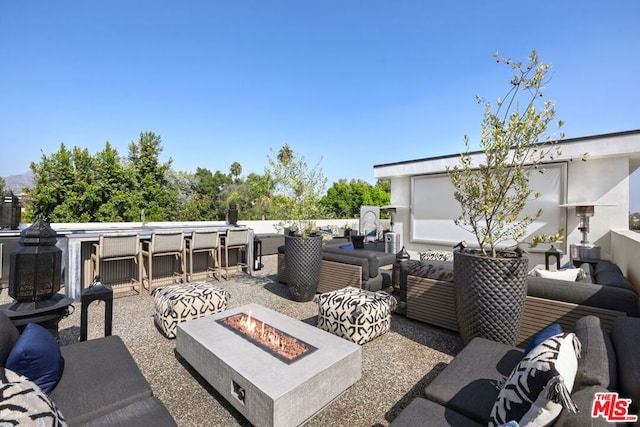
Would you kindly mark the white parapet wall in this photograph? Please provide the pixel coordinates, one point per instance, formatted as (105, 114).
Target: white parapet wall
(625, 245)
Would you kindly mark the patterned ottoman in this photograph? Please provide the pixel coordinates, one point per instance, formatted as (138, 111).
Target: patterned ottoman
(355, 314)
(186, 301)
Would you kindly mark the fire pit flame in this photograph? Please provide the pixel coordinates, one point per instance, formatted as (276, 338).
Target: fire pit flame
(274, 341)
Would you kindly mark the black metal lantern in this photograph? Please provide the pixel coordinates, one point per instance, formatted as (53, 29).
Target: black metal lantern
(10, 214)
(552, 253)
(233, 214)
(36, 265)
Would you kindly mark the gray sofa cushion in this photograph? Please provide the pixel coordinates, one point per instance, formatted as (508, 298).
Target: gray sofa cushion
(147, 412)
(469, 384)
(584, 401)
(597, 364)
(8, 337)
(605, 265)
(352, 260)
(625, 335)
(423, 412)
(611, 278)
(375, 259)
(590, 294)
(89, 389)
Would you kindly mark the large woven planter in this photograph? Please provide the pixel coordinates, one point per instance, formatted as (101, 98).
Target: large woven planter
(490, 296)
(304, 260)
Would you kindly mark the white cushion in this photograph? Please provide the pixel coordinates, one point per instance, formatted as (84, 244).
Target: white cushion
(570, 274)
(540, 386)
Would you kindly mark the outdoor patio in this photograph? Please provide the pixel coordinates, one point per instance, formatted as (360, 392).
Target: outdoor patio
(395, 367)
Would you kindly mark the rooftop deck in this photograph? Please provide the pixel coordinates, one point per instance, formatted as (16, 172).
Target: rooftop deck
(395, 367)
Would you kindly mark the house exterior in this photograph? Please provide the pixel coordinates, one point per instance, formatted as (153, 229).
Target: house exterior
(592, 170)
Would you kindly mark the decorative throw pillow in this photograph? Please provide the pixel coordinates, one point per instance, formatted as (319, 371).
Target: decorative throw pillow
(434, 255)
(540, 386)
(36, 355)
(23, 403)
(570, 274)
(348, 247)
(542, 336)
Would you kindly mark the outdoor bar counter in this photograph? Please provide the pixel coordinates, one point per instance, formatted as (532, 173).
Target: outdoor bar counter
(76, 239)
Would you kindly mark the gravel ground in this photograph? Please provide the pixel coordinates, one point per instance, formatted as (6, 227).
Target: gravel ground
(395, 367)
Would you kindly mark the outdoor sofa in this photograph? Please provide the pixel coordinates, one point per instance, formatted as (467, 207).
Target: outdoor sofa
(465, 392)
(94, 383)
(343, 265)
(427, 294)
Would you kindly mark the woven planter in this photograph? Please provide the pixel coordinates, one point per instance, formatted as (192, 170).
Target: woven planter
(490, 296)
(304, 259)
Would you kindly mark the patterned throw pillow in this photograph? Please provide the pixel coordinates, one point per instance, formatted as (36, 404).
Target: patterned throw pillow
(540, 386)
(23, 403)
(434, 255)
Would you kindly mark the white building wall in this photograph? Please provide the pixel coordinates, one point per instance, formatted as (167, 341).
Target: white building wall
(602, 181)
(603, 178)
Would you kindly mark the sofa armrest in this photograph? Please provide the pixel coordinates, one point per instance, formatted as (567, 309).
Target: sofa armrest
(349, 259)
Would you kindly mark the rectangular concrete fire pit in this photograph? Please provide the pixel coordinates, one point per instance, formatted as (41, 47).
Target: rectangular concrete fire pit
(265, 389)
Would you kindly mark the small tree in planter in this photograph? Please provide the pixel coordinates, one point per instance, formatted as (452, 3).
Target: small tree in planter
(515, 142)
(301, 188)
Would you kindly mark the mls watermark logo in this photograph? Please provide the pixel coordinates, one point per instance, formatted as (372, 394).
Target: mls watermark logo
(612, 408)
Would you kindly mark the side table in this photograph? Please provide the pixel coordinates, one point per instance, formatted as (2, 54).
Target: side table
(45, 313)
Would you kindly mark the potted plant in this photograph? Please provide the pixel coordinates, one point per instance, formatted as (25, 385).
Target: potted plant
(490, 280)
(299, 190)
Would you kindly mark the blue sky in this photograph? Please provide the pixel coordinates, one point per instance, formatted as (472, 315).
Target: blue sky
(354, 83)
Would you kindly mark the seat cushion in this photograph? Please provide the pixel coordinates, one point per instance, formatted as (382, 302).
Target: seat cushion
(147, 412)
(423, 412)
(625, 335)
(355, 314)
(469, 385)
(597, 364)
(584, 401)
(8, 337)
(186, 301)
(100, 375)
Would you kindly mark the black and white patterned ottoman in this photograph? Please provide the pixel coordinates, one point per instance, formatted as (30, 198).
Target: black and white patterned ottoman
(186, 301)
(355, 314)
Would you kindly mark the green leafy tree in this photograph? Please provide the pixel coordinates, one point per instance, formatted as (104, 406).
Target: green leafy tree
(153, 194)
(3, 184)
(53, 180)
(116, 183)
(514, 141)
(344, 199)
(260, 193)
(235, 169)
(300, 186)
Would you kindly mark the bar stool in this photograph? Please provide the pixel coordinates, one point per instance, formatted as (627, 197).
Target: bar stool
(163, 244)
(235, 238)
(204, 241)
(117, 247)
